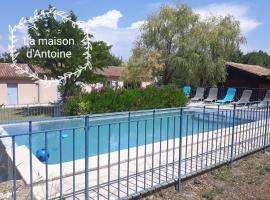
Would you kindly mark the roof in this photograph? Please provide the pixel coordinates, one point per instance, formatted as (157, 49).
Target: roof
(111, 71)
(8, 71)
(39, 69)
(253, 69)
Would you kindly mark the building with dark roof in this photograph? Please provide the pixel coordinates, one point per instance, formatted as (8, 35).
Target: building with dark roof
(248, 76)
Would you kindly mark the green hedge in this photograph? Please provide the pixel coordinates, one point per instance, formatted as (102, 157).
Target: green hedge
(125, 100)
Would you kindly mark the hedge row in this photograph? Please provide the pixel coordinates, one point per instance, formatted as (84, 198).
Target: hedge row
(126, 100)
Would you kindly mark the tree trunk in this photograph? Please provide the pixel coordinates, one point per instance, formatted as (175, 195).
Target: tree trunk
(65, 92)
(167, 76)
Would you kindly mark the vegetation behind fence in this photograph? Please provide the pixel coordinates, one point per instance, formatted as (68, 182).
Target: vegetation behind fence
(126, 100)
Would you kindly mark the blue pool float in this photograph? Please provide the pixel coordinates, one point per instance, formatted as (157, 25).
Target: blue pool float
(64, 136)
(42, 155)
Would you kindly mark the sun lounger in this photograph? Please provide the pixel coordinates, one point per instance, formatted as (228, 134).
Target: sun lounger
(199, 94)
(265, 100)
(245, 98)
(212, 96)
(229, 96)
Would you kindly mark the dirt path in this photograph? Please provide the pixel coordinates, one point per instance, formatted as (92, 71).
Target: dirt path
(249, 178)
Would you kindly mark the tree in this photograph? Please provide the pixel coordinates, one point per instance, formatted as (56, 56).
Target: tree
(257, 58)
(116, 61)
(5, 57)
(49, 27)
(175, 45)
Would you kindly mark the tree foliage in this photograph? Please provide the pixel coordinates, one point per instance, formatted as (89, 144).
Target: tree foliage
(175, 45)
(116, 61)
(257, 58)
(5, 57)
(49, 27)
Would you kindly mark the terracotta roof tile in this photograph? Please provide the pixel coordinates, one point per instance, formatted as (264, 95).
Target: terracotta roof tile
(39, 69)
(253, 69)
(111, 71)
(8, 71)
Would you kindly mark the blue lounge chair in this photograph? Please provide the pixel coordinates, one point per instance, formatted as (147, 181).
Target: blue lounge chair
(186, 90)
(229, 96)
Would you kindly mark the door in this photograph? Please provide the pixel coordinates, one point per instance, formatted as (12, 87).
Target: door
(12, 90)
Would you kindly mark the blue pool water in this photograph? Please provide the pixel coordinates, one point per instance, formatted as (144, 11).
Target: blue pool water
(140, 129)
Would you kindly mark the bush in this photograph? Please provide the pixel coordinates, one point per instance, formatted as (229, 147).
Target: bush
(126, 100)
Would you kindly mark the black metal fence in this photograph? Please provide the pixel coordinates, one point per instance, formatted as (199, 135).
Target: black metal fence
(121, 155)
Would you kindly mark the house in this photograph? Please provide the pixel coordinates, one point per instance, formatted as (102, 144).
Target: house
(247, 76)
(112, 74)
(18, 89)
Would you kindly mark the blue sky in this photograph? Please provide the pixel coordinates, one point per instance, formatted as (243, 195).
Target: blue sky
(117, 21)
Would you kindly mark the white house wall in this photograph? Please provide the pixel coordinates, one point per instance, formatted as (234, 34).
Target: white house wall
(48, 93)
(29, 92)
(3, 93)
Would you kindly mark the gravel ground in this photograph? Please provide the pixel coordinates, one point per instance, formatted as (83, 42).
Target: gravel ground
(248, 179)
(6, 188)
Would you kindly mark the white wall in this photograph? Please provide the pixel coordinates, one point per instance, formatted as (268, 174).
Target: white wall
(29, 92)
(48, 92)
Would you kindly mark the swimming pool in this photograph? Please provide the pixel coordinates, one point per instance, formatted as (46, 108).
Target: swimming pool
(109, 133)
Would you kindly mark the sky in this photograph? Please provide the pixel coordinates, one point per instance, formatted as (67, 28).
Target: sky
(117, 22)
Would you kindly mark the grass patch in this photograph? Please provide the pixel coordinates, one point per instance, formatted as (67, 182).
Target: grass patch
(212, 193)
(224, 174)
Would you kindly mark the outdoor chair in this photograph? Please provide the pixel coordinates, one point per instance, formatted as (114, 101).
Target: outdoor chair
(245, 98)
(229, 96)
(199, 94)
(186, 90)
(265, 100)
(212, 96)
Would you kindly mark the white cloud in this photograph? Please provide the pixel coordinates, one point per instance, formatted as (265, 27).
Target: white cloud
(108, 20)
(136, 25)
(106, 28)
(240, 12)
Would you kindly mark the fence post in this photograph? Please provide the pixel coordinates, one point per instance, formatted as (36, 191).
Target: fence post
(180, 150)
(233, 130)
(266, 124)
(28, 111)
(30, 158)
(128, 159)
(86, 123)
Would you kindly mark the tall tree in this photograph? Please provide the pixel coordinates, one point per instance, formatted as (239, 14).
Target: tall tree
(257, 58)
(5, 57)
(116, 61)
(49, 27)
(175, 45)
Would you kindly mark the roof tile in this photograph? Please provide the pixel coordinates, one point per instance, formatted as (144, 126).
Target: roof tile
(253, 69)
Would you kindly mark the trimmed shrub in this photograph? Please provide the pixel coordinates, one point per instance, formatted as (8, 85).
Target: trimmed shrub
(126, 100)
